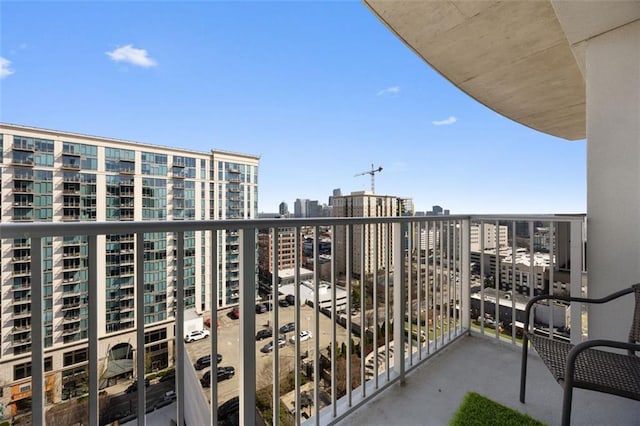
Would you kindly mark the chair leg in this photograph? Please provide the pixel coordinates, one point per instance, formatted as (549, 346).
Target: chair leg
(523, 368)
(566, 403)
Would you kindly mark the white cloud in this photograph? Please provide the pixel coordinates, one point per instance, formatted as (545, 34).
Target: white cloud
(134, 56)
(5, 70)
(445, 122)
(393, 90)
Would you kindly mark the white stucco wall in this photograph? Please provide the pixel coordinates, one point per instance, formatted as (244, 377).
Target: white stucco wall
(613, 174)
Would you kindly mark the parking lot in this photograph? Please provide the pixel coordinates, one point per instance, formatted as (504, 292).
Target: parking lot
(228, 346)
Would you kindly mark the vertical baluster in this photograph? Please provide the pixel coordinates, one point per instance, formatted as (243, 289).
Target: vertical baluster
(213, 290)
(316, 327)
(399, 292)
(418, 226)
(374, 327)
(363, 307)
(387, 297)
(37, 341)
(141, 390)
(94, 384)
(275, 233)
(334, 316)
(348, 260)
(247, 326)
(296, 319)
(576, 281)
(181, 350)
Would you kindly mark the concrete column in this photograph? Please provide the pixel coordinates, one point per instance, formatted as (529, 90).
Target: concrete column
(613, 174)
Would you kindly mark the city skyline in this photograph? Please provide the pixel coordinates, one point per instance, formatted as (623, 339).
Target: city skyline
(319, 91)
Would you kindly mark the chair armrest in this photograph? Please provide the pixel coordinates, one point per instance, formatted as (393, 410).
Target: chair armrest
(605, 299)
(581, 347)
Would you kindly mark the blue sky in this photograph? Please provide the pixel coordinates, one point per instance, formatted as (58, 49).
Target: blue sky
(320, 90)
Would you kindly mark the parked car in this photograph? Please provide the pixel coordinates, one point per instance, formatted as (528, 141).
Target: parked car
(170, 375)
(229, 408)
(268, 306)
(304, 335)
(290, 298)
(222, 373)
(133, 387)
(260, 308)
(264, 334)
(235, 313)
(196, 335)
(169, 396)
(269, 346)
(205, 361)
(283, 303)
(290, 326)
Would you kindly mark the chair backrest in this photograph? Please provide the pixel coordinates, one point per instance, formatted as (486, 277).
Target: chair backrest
(634, 334)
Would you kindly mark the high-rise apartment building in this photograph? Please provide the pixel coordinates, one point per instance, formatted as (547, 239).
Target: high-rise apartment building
(283, 209)
(286, 251)
(364, 204)
(53, 176)
(301, 208)
(494, 237)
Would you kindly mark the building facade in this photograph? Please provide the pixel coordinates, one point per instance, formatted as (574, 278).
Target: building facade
(286, 252)
(53, 176)
(364, 204)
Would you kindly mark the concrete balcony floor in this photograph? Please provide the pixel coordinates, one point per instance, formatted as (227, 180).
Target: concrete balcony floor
(433, 391)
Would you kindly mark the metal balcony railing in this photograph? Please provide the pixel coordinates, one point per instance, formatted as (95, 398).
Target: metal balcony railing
(422, 282)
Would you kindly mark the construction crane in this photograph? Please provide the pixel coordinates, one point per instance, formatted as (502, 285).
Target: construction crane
(371, 172)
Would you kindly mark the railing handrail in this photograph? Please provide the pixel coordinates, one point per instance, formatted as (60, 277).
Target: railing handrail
(45, 229)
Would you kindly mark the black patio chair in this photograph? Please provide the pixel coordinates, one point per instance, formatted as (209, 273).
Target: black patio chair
(581, 366)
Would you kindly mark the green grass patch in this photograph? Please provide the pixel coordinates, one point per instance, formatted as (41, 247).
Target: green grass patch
(476, 410)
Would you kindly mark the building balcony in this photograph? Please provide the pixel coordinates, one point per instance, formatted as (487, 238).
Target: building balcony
(25, 313)
(20, 341)
(22, 273)
(70, 331)
(23, 300)
(71, 179)
(22, 189)
(23, 146)
(70, 166)
(425, 279)
(22, 162)
(17, 329)
(71, 318)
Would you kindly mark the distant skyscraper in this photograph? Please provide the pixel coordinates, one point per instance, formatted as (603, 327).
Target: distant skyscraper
(284, 209)
(301, 208)
(365, 204)
(313, 209)
(336, 193)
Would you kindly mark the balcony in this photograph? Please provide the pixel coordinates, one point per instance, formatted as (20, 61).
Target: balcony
(70, 165)
(432, 274)
(23, 189)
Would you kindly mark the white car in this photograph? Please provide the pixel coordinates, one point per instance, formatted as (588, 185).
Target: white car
(196, 335)
(304, 335)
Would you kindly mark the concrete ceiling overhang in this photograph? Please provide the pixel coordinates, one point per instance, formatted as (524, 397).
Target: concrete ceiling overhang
(513, 56)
